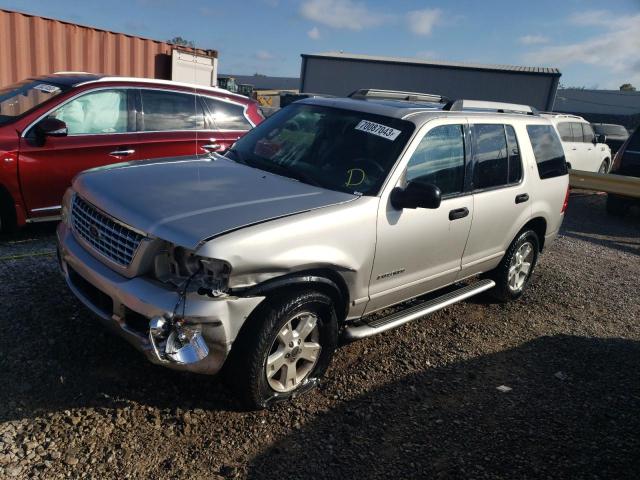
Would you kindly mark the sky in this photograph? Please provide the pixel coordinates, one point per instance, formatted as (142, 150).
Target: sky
(595, 44)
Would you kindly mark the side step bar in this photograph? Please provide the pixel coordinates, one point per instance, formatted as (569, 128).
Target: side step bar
(379, 325)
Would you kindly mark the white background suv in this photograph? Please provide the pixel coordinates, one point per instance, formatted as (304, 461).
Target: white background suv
(582, 147)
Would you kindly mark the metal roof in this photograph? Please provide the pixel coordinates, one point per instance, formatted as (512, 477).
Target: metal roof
(608, 102)
(417, 61)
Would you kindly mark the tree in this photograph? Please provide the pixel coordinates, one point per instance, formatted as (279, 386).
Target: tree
(182, 42)
(627, 87)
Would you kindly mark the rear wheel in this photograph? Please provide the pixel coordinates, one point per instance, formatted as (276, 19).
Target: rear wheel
(284, 349)
(604, 167)
(514, 271)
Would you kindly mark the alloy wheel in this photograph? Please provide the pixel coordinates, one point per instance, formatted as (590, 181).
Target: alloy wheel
(294, 353)
(520, 267)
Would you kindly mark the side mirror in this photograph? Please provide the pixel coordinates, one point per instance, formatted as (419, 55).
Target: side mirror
(52, 127)
(416, 195)
(601, 138)
(49, 127)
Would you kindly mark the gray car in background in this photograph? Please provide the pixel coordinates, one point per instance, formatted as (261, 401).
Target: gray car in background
(613, 135)
(257, 263)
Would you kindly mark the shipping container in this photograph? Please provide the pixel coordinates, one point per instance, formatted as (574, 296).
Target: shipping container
(32, 45)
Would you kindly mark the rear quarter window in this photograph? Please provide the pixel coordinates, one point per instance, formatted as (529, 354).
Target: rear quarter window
(547, 150)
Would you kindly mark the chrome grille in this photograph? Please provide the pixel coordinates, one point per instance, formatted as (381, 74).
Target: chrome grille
(110, 238)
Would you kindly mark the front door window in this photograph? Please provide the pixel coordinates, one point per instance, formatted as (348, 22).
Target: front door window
(100, 112)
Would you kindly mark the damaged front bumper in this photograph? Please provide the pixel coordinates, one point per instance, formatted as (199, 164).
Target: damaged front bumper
(127, 305)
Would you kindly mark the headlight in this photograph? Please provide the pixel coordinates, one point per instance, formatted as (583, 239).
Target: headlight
(66, 207)
(184, 269)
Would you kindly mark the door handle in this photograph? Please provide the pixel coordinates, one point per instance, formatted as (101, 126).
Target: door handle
(574, 148)
(122, 153)
(458, 213)
(523, 197)
(213, 147)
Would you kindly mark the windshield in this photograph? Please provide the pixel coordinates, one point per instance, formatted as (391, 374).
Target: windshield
(19, 98)
(332, 148)
(609, 129)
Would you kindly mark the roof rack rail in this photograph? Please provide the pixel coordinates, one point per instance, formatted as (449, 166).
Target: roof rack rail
(499, 107)
(364, 93)
(563, 115)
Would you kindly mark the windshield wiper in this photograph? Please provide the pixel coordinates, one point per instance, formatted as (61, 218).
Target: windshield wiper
(291, 172)
(239, 158)
(278, 169)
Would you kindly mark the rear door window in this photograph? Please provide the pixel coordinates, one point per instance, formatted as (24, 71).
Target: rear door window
(491, 161)
(515, 162)
(576, 132)
(565, 131)
(439, 159)
(547, 150)
(165, 110)
(227, 116)
(587, 133)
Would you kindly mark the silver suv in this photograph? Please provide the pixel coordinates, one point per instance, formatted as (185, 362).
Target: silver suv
(259, 262)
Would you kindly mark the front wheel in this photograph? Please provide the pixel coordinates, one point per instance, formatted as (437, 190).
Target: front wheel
(284, 349)
(514, 271)
(7, 216)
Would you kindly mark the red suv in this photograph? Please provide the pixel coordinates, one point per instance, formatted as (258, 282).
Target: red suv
(53, 127)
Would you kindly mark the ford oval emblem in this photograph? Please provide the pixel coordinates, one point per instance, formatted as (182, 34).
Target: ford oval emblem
(93, 230)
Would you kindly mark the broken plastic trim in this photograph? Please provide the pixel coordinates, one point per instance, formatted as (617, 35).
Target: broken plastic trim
(172, 342)
(306, 385)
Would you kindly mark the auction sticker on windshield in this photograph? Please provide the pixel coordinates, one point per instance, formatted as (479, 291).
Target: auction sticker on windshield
(378, 129)
(43, 87)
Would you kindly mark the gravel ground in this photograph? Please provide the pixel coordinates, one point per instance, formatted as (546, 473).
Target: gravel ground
(419, 402)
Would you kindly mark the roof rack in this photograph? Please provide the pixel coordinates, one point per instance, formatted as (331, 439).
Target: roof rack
(364, 93)
(499, 107)
(562, 115)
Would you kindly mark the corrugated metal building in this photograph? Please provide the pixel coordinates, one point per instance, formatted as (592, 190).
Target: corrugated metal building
(32, 45)
(607, 106)
(341, 73)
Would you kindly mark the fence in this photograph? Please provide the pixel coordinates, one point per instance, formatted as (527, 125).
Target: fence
(627, 186)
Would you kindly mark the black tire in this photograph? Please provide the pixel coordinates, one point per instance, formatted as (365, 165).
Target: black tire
(617, 206)
(604, 167)
(245, 369)
(503, 292)
(8, 223)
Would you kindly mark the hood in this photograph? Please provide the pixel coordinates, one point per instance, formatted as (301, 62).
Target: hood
(187, 202)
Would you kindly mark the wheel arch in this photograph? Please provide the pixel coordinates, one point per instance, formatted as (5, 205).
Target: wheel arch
(325, 280)
(539, 226)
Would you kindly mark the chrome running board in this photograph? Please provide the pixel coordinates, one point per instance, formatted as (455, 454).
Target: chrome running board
(382, 324)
